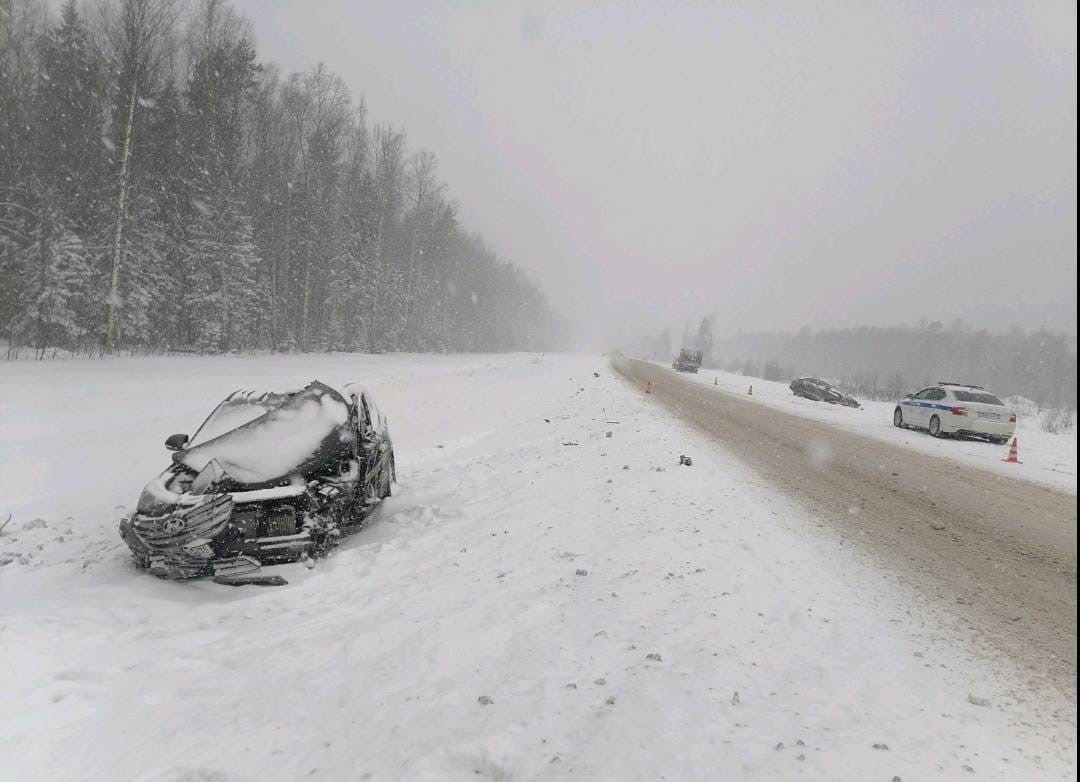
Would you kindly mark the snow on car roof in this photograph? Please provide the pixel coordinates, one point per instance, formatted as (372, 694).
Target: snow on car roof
(290, 431)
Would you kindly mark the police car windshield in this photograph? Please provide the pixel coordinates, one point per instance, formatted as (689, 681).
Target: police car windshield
(977, 396)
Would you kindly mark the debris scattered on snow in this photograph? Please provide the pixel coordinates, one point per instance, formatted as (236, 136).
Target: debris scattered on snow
(654, 656)
(484, 700)
(883, 747)
(938, 525)
(977, 700)
(685, 460)
(735, 699)
(581, 572)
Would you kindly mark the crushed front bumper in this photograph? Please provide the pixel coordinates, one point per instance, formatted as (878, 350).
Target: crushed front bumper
(180, 545)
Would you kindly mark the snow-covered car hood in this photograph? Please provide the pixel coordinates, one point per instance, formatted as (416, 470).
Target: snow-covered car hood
(275, 436)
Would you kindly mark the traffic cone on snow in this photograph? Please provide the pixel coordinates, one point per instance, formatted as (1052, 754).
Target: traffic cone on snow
(648, 387)
(750, 392)
(1012, 457)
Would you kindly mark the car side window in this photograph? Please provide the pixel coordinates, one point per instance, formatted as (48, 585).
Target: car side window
(936, 394)
(923, 394)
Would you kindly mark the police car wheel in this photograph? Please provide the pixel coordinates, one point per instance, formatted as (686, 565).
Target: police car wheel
(898, 418)
(935, 427)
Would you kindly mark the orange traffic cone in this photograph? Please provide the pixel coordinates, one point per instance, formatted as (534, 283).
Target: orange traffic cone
(750, 392)
(1012, 457)
(648, 387)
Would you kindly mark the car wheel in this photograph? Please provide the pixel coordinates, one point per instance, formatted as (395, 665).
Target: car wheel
(935, 427)
(898, 418)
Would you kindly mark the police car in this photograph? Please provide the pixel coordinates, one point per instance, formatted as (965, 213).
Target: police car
(956, 409)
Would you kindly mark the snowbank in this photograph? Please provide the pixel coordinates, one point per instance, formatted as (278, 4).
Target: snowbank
(539, 600)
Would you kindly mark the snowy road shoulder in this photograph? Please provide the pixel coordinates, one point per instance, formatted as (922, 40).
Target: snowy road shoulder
(539, 600)
(1049, 459)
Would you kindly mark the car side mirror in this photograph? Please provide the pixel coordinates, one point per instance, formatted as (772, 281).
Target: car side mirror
(176, 442)
(909, 396)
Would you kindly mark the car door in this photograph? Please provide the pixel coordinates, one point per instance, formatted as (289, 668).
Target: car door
(915, 411)
(933, 404)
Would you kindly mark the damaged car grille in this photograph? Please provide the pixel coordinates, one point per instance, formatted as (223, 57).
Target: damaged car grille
(182, 528)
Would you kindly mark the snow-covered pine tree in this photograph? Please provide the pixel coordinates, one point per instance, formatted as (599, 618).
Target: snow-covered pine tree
(70, 110)
(167, 179)
(56, 277)
(144, 287)
(225, 299)
(245, 294)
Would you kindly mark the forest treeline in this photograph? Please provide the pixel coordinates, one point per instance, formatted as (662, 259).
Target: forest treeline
(881, 363)
(162, 188)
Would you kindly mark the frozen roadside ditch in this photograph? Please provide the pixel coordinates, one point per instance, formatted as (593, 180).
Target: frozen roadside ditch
(468, 587)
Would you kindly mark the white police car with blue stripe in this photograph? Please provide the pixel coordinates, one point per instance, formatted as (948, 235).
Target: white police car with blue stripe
(956, 409)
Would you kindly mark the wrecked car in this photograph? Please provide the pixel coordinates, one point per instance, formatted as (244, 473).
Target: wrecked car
(819, 391)
(269, 477)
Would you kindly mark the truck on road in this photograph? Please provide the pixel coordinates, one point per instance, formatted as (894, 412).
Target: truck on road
(687, 360)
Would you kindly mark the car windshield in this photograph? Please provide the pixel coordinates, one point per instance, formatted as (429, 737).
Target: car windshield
(977, 396)
(238, 409)
(228, 416)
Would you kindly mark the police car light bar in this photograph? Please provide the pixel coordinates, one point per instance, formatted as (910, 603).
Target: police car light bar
(961, 385)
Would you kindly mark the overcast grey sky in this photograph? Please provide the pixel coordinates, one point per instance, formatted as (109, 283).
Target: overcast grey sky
(778, 163)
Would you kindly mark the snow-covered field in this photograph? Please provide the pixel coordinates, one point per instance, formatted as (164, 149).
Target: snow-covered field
(539, 600)
(1045, 458)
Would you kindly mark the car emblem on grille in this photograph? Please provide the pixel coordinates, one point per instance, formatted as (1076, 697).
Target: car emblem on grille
(174, 525)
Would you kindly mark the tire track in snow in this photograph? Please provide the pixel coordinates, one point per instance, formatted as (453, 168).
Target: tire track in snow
(999, 553)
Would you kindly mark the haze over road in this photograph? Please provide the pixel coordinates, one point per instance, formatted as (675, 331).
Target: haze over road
(998, 553)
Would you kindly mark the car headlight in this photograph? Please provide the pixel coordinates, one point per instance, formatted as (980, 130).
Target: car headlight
(156, 499)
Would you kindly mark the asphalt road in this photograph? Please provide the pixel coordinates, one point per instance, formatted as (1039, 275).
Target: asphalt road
(999, 554)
